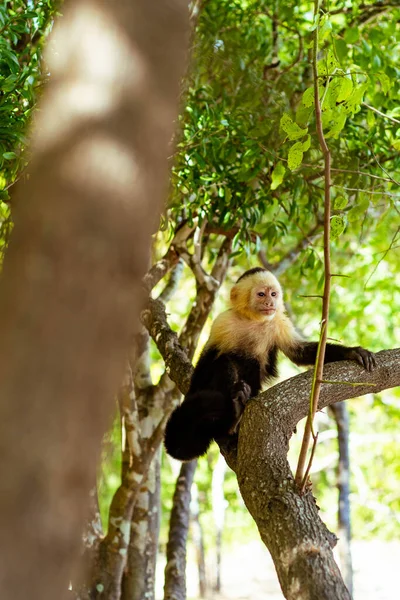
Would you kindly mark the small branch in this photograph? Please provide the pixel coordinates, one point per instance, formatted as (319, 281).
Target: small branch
(388, 178)
(173, 282)
(296, 32)
(159, 270)
(314, 446)
(381, 114)
(169, 260)
(383, 168)
(311, 296)
(230, 233)
(194, 263)
(198, 239)
(381, 6)
(384, 255)
(283, 264)
(319, 364)
(222, 262)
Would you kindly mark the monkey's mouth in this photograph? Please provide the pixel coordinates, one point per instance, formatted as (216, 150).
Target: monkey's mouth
(268, 311)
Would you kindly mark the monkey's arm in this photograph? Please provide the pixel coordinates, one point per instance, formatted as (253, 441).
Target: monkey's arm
(304, 353)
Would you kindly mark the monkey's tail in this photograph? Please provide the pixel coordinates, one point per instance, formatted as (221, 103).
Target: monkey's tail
(200, 418)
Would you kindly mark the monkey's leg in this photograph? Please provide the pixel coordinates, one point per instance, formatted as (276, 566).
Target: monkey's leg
(241, 394)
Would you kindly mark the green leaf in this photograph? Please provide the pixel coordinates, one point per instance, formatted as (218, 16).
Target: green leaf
(307, 143)
(341, 49)
(337, 125)
(303, 114)
(345, 90)
(9, 155)
(337, 226)
(277, 176)
(325, 28)
(295, 156)
(308, 97)
(340, 203)
(396, 145)
(293, 131)
(351, 35)
(371, 120)
(353, 102)
(310, 262)
(358, 210)
(385, 82)
(9, 83)
(376, 62)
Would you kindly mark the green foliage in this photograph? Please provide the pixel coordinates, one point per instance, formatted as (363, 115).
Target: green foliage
(23, 27)
(248, 156)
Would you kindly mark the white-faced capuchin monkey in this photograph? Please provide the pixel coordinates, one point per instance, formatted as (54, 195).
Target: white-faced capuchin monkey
(241, 355)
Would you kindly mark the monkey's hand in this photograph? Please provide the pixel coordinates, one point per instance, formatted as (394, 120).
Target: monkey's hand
(240, 395)
(364, 357)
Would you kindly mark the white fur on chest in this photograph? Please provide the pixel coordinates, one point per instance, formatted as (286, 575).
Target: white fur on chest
(231, 333)
(254, 338)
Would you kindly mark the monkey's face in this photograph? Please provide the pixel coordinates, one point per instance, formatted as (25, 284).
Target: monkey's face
(258, 296)
(265, 301)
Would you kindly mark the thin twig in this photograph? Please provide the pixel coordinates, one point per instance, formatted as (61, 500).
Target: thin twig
(388, 178)
(301, 478)
(383, 169)
(380, 113)
(384, 256)
(306, 474)
(344, 382)
(382, 193)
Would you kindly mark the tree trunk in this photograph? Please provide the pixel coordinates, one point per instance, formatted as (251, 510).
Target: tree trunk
(341, 415)
(71, 284)
(139, 579)
(218, 505)
(91, 538)
(198, 540)
(175, 570)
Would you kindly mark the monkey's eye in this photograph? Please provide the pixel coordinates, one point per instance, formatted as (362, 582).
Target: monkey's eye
(274, 293)
(261, 294)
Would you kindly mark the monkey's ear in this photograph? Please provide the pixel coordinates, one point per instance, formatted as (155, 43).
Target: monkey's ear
(234, 294)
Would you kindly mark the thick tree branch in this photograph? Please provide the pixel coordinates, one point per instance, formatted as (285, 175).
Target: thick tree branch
(176, 360)
(289, 523)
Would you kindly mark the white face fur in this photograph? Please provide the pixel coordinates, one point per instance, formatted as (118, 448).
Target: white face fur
(266, 300)
(258, 296)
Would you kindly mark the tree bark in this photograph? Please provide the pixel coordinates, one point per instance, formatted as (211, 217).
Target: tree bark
(198, 540)
(341, 415)
(70, 290)
(139, 578)
(218, 506)
(175, 570)
(90, 544)
(289, 524)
